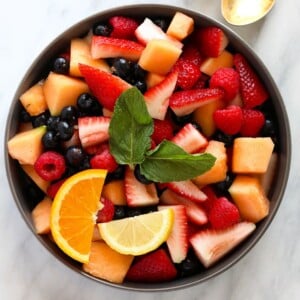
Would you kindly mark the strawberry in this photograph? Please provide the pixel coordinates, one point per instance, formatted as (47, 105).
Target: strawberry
(229, 120)
(223, 214)
(226, 79)
(107, 47)
(188, 190)
(195, 212)
(253, 122)
(54, 187)
(157, 97)
(202, 82)
(177, 241)
(106, 213)
(211, 198)
(185, 102)
(190, 139)
(103, 159)
(211, 41)
(93, 130)
(188, 73)
(191, 53)
(163, 130)
(211, 245)
(252, 90)
(137, 193)
(123, 27)
(105, 86)
(153, 267)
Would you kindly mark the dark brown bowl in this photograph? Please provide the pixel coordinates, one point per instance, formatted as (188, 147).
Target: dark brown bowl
(18, 184)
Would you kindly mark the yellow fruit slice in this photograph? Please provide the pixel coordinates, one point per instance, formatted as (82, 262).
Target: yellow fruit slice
(138, 235)
(73, 213)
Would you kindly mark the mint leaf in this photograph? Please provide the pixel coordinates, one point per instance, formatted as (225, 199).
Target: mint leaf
(168, 162)
(130, 128)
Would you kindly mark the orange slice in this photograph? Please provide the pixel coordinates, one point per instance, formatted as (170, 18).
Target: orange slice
(73, 213)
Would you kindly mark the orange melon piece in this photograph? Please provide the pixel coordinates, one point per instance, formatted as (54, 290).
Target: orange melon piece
(107, 264)
(211, 64)
(204, 116)
(159, 56)
(153, 79)
(219, 170)
(106, 112)
(249, 196)
(115, 192)
(40, 182)
(181, 26)
(41, 216)
(61, 90)
(80, 54)
(96, 234)
(251, 155)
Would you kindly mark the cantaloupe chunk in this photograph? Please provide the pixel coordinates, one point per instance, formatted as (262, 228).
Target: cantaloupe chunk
(80, 53)
(181, 26)
(96, 234)
(33, 100)
(40, 182)
(27, 146)
(41, 216)
(211, 64)
(251, 155)
(249, 196)
(153, 79)
(159, 56)
(218, 172)
(61, 90)
(115, 192)
(107, 264)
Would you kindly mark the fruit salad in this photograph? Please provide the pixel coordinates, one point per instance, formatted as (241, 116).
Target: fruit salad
(147, 149)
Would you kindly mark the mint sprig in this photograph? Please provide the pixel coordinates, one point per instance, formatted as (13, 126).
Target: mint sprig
(130, 133)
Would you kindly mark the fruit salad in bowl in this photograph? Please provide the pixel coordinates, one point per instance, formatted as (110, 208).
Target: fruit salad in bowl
(148, 147)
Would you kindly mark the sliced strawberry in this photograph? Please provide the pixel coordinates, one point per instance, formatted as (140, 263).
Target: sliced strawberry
(188, 190)
(106, 213)
(137, 193)
(185, 102)
(107, 47)
(190, 139)
(229, 120)
(253, 122)
(153, 267)
(211, 245)
(195, 212)
(211, 41)
(123, 27)
(93, 130)
(105, 86)
(163, 130)
(148, 31)
(252, 89)
(177, 241)
(211, 198)
(157, 97)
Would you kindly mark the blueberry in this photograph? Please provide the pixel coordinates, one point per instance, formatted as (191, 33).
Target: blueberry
(24, 116)
(189, 266)
(88, 105)
(134, 211)
(224, 138)
(102, 29)
(162, 23)
(138, 72)
(269, 130)
(140, 177)
(69, 114)
(120, 212)
(65, 130)
(141, 85)
(223, 186)
(61, 65)
(122, 68)
(116, 175)
(50, 140)
(41, 119)
(182, 120)
(75, 156)
(52, 123)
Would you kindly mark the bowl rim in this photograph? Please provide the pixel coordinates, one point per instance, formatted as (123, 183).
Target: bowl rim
(285, 160)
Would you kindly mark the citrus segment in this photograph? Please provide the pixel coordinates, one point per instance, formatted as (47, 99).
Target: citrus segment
(138, 235)
(73, 213)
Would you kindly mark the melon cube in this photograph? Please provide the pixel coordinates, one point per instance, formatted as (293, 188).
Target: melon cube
(115, 192)
(41, 216)
(159, 56)
(181, 26)
(251, 155)
(153, 79)
(249, 196)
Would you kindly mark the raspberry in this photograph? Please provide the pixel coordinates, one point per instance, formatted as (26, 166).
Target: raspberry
(253, 122)
(107, 212)
(228, 80)
(50, 165)
(123, 27)
(163, 130)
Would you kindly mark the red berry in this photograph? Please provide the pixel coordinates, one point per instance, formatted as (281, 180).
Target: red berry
(123, 27)
(106, 213)
(253, 121)
(228, 80)
(50, 165)
(163, 130)
(192, 54)
(53, 188)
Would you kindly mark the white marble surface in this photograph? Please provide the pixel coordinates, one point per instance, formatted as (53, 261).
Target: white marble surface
(270, 271)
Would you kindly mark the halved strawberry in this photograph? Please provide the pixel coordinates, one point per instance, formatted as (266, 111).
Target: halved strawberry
(105, 86)
(211, 197)
(93, 130)
(157, 97)
(107, 47)
(177, 241)
(185, 102)
(195, 213)
(188, 190)
(163, 130)
(123, 27)
(190, 139)
(148, 31)
(253, 122)
(252, 89)
(137, 193)
(211, 245)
